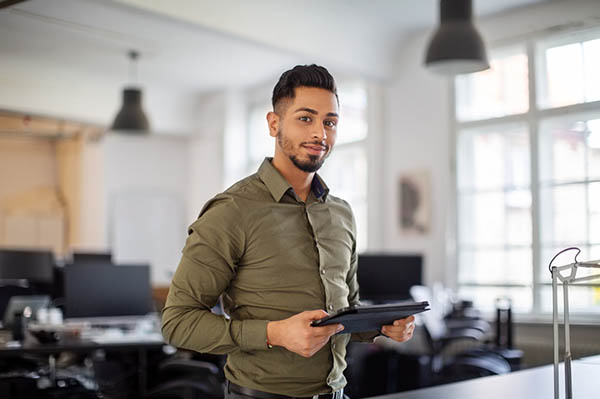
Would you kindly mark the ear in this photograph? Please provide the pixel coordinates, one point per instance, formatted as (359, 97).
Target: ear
(273, 122)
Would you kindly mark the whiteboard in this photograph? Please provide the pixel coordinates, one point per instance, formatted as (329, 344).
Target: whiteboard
(149, 228)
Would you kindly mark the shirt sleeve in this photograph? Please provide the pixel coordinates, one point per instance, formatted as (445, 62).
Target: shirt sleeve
(353, 296)
(209, 261)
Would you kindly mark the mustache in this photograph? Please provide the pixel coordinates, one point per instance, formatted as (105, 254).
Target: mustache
(320, 144)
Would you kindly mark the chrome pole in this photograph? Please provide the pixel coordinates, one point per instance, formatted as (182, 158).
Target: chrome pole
(568, 380)
(555, 326)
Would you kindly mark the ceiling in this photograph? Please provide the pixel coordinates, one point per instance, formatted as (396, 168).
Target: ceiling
(205, 45)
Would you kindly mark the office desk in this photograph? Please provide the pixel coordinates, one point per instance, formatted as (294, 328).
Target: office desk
(526, 384)
(141, 347)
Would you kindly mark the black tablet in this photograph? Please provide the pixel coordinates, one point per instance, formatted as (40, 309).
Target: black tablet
(371, 318)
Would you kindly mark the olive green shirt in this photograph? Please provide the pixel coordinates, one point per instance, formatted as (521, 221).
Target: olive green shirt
(270, 255)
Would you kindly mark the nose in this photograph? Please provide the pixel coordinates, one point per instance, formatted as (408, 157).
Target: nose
(319, 133)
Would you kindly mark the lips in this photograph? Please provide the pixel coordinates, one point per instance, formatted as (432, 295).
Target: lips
(315, 149)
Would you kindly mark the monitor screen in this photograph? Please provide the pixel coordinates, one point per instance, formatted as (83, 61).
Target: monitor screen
(102, 291)
(31, 265)
(388, 278)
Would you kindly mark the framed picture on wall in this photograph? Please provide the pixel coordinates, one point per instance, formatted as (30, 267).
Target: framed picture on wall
(414, 202)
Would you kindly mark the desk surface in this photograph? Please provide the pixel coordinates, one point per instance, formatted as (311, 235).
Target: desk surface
(83, 346)
(526, 384)
(124, 343)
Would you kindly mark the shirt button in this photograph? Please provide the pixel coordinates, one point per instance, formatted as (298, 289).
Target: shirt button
(322, 271)
(333, 346)
(330, 307)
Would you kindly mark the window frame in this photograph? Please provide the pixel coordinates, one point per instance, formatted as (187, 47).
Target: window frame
(534, 45)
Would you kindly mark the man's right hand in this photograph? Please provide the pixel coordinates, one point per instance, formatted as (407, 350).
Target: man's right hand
(296, 334)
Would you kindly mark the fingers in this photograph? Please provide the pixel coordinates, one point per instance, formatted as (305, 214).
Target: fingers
(327, 331)
(404, 322)
(314, 314)
(324, 331)
(400, 330)
(315, 338)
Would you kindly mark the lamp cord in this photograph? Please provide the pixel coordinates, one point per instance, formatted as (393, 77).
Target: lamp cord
(133, 56)
(564, 250)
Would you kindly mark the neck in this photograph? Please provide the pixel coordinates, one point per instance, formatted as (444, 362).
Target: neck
(300, 181)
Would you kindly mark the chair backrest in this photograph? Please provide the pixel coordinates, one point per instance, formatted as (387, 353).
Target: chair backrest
(433, 320)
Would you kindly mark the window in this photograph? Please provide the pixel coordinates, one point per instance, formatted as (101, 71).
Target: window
(345, 171)
(528, 171)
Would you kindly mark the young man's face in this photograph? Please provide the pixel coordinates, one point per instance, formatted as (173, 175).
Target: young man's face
(306, 127)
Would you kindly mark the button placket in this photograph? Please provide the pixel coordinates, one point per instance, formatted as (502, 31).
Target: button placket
(322, 270)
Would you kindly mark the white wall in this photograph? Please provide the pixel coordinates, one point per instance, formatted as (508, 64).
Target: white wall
(418, 139)
(419, 134)
(206, 153)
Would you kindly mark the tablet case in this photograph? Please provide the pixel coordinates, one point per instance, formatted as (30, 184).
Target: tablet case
(371, 318)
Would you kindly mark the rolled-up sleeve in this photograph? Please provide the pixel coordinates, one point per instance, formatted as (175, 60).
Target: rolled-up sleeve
(209, 260)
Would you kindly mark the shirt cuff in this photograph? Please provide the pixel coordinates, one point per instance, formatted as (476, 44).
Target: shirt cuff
(254, 335)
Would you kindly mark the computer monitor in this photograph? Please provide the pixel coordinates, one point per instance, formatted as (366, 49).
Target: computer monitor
(388, 277)
(92, 258)
(31, 265)
(100, 291)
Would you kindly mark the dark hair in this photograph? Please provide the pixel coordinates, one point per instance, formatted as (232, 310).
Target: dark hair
(303, 75)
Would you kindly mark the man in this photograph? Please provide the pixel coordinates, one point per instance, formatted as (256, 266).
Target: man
(280, 251)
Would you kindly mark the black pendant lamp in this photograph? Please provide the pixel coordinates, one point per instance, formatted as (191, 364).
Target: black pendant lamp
(131, 117)
(456, 47)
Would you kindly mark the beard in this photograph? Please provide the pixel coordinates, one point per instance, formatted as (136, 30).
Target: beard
(310, 165)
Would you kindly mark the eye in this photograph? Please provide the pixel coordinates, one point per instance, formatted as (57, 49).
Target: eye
(305, 118)
(330, 123)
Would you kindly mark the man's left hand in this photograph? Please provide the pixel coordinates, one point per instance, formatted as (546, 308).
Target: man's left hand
(401, 330)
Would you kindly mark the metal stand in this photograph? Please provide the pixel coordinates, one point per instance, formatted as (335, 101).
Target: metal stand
(566, 281)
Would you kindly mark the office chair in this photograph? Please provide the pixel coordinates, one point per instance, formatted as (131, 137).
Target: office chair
(181, 377)
(440, 334)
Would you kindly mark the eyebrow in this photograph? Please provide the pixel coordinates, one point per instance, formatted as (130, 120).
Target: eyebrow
(312, 111)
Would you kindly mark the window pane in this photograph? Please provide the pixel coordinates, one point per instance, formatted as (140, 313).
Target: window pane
(260, 143)
(495, 266)
(518, 217)
(593, 143)
(353, 113)
(484, 298)
(594, 213)
(345, 172)
(581, 299)
(563, 215)
(562, 150)
(569, 72)
(481, 219)
(499, 91)
(495, 219)
(493, 158)
(591, 57)
(564, 75)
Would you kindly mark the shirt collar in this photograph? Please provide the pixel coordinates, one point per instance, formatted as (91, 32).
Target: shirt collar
(319, 188)
(278, 186)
